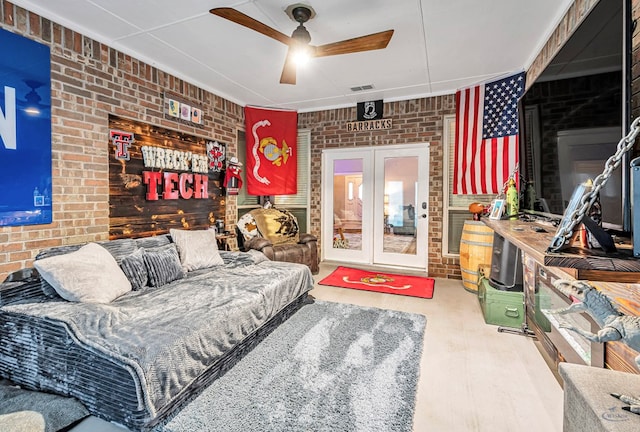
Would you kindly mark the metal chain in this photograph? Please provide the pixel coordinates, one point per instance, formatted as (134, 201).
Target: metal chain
(566, 231)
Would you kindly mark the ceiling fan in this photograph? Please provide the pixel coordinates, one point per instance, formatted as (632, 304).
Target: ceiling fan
(300, 37)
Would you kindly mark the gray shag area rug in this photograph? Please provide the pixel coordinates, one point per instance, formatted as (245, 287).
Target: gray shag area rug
(31, 411)
(330, 367)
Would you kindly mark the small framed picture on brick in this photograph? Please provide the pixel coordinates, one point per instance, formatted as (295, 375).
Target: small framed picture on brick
(185, 112)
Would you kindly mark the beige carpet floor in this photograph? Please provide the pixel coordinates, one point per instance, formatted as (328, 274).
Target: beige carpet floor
(472, 378)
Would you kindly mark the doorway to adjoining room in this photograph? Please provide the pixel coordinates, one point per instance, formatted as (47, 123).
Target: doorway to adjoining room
(375, 205)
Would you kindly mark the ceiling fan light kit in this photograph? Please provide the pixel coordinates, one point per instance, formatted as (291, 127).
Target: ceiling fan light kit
(301, 35)
(301, 55)
(299, 40)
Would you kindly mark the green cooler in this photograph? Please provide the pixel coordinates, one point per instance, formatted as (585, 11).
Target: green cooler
(502, 308)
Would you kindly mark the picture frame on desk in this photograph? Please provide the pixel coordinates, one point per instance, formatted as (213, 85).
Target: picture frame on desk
(497, 208)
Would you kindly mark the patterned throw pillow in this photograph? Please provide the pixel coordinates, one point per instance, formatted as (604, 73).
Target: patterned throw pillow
(247, 226)
(134, 269)
(163, 264)
(278, 226)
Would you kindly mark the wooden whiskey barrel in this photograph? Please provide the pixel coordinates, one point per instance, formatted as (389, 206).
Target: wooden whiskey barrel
(476, 244)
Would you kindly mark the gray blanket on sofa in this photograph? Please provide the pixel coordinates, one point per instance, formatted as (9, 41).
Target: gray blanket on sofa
(168, 335)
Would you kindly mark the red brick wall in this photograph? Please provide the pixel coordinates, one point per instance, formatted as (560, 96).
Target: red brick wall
(414, 121)
(89, 81)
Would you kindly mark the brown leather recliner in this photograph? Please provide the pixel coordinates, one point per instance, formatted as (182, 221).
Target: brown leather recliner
(302, 248)
(303, 252)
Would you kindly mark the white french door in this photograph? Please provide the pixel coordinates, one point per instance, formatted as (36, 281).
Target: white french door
(375, 205)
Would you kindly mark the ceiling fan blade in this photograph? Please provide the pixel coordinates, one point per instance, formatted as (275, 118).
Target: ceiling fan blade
(289, 69)
(246, 21)
(363, 43)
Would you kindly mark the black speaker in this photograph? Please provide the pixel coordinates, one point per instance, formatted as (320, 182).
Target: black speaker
(506, 265)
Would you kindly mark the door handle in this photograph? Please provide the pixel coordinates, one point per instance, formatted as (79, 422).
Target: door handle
(423, 215)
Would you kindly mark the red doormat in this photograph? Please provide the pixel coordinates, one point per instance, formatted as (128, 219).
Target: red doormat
(414, 286)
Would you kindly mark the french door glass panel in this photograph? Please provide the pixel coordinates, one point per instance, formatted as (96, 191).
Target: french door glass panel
(375, 205)
(346, 204)
(401, 186)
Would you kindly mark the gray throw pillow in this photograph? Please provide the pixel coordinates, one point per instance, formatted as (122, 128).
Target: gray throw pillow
(163, 264)
(197, 248)
(135, 270)
(90, 274)
(153, 241)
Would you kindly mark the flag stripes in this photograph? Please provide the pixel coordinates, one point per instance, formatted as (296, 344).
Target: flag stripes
(486, 148)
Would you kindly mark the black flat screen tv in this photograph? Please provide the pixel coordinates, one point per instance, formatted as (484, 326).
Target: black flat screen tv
(575, 113)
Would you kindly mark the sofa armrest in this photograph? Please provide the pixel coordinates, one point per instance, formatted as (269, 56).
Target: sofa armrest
(257, 243)
(22, 286)
(306, 238)
(303, 252)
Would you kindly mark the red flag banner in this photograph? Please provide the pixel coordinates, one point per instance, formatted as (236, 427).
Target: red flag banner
(272, 167)
(486, 148)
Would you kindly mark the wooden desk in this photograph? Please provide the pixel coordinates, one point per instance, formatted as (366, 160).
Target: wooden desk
(526, 235)
(579, 263)
(620, 286)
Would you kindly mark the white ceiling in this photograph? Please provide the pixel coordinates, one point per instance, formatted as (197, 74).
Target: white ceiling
(438, 46)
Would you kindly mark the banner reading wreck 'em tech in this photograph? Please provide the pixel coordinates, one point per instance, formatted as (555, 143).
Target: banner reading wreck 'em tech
(25, 131)
(272, 167)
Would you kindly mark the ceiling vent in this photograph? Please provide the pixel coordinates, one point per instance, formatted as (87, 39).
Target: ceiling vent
(361, 88)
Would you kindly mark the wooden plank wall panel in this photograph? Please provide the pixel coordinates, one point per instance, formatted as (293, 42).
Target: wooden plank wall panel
(130, 213)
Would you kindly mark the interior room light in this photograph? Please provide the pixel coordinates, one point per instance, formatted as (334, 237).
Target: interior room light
(302, 55)
(33, 98)
(301, 50)
(350, 190)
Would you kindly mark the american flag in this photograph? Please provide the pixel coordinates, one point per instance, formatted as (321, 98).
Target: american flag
(486, 148)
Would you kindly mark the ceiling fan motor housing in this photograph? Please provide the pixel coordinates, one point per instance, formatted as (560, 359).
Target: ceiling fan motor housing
(301, 14)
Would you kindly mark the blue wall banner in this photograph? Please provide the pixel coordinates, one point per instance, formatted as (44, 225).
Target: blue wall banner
(25, 131)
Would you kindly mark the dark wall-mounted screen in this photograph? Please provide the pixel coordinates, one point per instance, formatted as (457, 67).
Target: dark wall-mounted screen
(575, 114)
